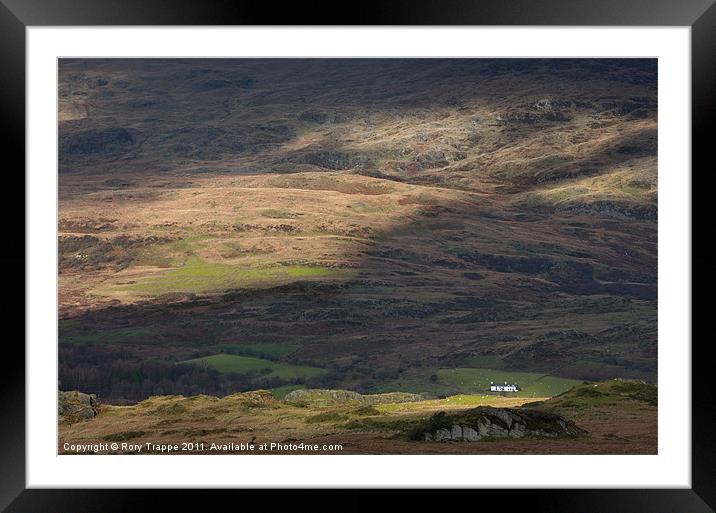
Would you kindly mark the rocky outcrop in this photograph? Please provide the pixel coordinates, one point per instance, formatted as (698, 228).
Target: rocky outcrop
(430, 160)
(105, 141)
(319, 117)
(487, 422)
(74, 406)
(544, 110)
(318, 397)
(327, 159)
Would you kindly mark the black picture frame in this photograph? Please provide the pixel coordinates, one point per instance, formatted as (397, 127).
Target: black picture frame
(17, 15)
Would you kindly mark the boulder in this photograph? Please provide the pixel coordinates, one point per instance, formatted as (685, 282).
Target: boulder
(487, 422)
(470, 434)
(74, 406)
(442, 435)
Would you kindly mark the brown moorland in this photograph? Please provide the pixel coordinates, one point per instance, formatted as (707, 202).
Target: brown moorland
(373, 225)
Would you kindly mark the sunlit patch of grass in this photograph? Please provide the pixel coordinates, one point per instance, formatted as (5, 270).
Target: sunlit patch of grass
(602, 393)
(171, 254)
(468, 380)
(452, 402)
(199, 276)
(531, 384)
(619, 185)
(332, 182)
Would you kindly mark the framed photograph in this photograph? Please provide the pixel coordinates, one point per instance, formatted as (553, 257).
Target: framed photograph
(421, 248)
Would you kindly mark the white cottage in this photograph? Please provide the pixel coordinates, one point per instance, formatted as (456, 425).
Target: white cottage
(506, 387)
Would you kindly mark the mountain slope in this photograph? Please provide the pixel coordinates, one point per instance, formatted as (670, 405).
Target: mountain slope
(387, 218)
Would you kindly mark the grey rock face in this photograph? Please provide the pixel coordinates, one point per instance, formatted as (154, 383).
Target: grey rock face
(487, 422)
(504, 416)
(518, 430)
(470, 434)
(442, 435)
(456, 432)
(322, 397)
(74, 406)
(498, 431)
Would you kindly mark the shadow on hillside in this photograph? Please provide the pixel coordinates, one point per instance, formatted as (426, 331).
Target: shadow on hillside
(435, 293)
(461, 285)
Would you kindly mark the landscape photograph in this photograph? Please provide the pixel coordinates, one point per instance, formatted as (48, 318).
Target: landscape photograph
(357, 256)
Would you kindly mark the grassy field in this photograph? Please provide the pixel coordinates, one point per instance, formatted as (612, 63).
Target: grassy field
(246, 364)
(280, 392)
(450, 403)
(477, 381)
(603, 393)
(531, 384)
(201, 277)
(173, 253)
(417, 384)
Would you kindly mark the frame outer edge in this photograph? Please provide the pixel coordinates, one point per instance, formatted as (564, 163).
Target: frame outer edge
(370, 12)
(703, 414)
(12, 138)
(12, 40)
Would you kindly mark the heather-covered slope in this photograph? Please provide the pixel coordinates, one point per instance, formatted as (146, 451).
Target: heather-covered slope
(377, 225)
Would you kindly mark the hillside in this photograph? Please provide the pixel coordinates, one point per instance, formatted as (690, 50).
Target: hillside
(620, 420)
(374, 225)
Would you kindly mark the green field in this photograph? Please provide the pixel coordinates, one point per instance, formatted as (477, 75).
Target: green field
(247, 364)
(413, 383)
(477, 381)
(280, 392)
(267, 350)
(198, 276)
(171, 254)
